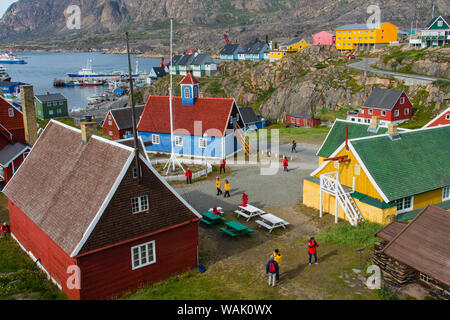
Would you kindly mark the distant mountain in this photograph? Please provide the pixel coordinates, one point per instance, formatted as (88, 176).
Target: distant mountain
(198, 24)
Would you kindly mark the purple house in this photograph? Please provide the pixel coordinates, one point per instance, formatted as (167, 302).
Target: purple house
(324, 37)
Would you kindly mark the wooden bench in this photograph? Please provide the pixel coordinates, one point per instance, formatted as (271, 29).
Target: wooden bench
(263, 224)
(240, 213)
(205, 221)
(231, 233)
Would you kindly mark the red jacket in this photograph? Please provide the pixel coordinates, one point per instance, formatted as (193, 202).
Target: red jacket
(312, 247)
(222, 163)
(5, 229)
(285, 162)
(188, 174)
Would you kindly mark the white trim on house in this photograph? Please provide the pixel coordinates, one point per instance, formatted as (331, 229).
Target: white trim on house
(149, 165)
(104, 205)
(15, 157)
(147, 256)
(411, 204)
(437, 117)
(154, 138)
(444, 191)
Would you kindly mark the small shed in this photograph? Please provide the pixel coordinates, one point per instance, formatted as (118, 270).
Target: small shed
(251, 119)
(301, 120)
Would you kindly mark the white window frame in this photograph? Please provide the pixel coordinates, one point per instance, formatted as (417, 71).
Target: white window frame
(406, 111)
(155, 139)
(61, 103)
(336, 164)
(150, 255)
(383, 113)
(447, 116)
(404, 209)
(135, 172)
(402, 100)
(11, 112)
(357, 169)
(396, 113)
(202, 143)
(446, 193)
(139, 204)
(110, 133)
(188, 92)
(50, 112)
(109, 123)
(424, 277)
(178, 141)
(370, 111)
(440, 23)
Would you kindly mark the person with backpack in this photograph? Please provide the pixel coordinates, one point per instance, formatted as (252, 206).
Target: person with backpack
(294, 145)
(285, 164)
(5, 230)
(277, 258)
(227, 189)
(312, 249)
(188, 176)
(244, 199)
(271, 270)
(218, 186)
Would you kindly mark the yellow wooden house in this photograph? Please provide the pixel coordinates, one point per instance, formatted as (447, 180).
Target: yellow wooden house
(292, 46)
(365, 37)
(383, 177)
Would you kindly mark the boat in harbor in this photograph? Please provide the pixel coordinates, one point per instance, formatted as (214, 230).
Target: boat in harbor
(90, 83)
(73, 84)
(10, 58)
(87, 72)
(4, 76)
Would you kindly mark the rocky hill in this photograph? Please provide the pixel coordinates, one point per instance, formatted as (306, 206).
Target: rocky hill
(41, 24)
(315, 80)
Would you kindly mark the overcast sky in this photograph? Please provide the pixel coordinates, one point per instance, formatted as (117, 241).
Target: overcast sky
(4, 4)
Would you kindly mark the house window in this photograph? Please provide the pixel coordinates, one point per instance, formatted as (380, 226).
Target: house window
(370, 111)
(143, 255)
(11, 112)
(406, 111)
(397, 112)
(404, 204)
(139, 204)
(155, 138)
(298, 121)
(446, 193)
(383, 113)
(402, 100)
(110, 123)
(61, 103)
(440, 23)
(202, 143)
(357, 169)
(447, 117)
(336, 164)
(110, 133)
(424, 277)
(135, 172)
(50, 112)
(179, 141)
(186, 92)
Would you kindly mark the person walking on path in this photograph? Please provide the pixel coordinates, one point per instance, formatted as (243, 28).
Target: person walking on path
(227, 189)
(277, 258)
(222, 166)
(285, 164)
(244, 199)
(294, 145)
(272, 270)
(312, 249)
(188, 176)
(218, 186)
(5, 230)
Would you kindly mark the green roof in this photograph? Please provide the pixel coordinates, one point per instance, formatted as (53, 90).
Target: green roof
(417, 162)
(336, 136)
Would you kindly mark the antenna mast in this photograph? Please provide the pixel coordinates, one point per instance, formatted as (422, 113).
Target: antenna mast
(133, 114)
(173, 159)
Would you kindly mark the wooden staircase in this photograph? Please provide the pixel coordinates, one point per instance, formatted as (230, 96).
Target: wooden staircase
(241, 138)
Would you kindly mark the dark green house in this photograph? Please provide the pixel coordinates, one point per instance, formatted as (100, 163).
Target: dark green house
(435, 34)
(51, 105)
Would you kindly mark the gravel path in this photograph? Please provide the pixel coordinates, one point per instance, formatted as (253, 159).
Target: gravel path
(281, 189)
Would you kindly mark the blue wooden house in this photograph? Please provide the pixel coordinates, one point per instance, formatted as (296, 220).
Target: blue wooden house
(203, 127)
(231, 51)
(257, 51)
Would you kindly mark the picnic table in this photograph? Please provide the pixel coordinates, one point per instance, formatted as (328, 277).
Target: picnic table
(249, 211)
(271, 222)
(235, 229)
(211, 218)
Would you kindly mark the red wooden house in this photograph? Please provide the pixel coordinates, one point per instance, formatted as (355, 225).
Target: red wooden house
(118, 122)
(440, 120)
(13, 141)
(301, 120)
(392, 106)
(96, 224)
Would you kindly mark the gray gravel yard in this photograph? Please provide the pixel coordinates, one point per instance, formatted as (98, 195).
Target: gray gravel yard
(281, 189)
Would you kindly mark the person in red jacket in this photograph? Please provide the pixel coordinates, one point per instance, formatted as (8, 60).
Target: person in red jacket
(188, 176)
(244, 199)
(222, 166)
(5, 230)
(312, 249)
(216, 211)
(285, 164)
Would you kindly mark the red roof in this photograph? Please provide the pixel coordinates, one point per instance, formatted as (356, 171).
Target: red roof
(213, 113)
(189, 79)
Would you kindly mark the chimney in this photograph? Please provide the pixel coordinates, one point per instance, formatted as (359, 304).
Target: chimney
(87, 130)
(374, 125)
(393, 132)
(29, 114)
